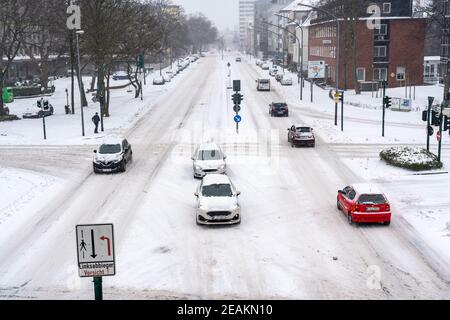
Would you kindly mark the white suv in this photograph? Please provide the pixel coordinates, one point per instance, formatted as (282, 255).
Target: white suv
(208, 158)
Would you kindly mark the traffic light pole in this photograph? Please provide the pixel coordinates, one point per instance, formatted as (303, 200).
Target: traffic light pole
(342, 111)
(384, 107)
(440, 131)
(430, 103)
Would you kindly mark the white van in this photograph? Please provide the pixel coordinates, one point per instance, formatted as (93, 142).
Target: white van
(263, 85)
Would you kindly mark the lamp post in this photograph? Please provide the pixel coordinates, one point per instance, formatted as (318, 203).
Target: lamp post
(78, 32)
(300, 49)
(338, 33)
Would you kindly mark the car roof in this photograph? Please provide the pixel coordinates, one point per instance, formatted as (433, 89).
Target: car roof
(366, 188)
(208, 146)
(216, 179)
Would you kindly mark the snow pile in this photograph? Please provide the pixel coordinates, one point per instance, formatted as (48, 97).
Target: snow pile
(412, 158)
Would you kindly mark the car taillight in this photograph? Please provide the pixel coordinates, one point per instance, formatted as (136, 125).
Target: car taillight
(387, 207)
(359, 208)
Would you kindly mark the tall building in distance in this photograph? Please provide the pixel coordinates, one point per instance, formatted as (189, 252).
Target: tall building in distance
(246, 20)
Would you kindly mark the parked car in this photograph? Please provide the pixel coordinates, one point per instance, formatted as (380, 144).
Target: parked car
(301, 136)
(159, 80)
(112, 156)
(286, 81)
(208, 158)
(278, 109)
(364, 203)
(238, 59)
(263, 85)
(167, 77)
(217, 201)
(120, 75)
(265, 66)
(39, 111)
(170, 73)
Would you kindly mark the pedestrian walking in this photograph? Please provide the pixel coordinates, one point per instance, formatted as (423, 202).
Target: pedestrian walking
(96, 121)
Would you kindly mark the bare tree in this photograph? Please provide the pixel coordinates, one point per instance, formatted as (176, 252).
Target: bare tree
(14, 23)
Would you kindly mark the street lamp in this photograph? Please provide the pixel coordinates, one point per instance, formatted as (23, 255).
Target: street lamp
(337, 37)
(300, 49)
(80, 32)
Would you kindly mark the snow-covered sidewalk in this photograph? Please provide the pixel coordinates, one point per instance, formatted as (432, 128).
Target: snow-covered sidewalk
(64, 129)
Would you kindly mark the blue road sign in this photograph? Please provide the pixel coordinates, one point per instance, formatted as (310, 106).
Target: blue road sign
(237, 119)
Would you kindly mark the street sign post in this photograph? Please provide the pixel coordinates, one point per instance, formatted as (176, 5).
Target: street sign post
(95, 252)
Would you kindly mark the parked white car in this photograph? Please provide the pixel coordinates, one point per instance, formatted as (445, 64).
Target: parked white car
(208, 158)
(167, 77)
(217, 201)
(265, 66)
(159, 81)
(286, 81)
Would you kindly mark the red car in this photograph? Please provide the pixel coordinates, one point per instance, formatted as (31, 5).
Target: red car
(364, 203)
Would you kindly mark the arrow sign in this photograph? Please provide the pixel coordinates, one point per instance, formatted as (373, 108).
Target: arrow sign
(109, 244)
(237, 119)
(93, 255)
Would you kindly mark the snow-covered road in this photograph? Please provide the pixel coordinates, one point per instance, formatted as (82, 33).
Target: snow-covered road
(292, 243)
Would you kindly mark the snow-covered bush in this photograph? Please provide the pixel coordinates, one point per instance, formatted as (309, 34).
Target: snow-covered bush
(412, 158)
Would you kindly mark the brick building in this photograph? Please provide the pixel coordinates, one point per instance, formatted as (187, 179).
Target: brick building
(393, 52)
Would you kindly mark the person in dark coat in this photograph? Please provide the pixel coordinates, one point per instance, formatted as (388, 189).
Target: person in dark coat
(96, 121)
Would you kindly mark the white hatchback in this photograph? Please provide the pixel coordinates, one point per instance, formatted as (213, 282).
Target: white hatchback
(208, 158)
(217, 201)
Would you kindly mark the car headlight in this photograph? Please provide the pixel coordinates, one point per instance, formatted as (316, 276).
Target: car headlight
(222, 167)
(197, 168)
(118, 160)
(96, 161)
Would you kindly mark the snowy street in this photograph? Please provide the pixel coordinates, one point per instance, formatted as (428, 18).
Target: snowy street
(292, 243)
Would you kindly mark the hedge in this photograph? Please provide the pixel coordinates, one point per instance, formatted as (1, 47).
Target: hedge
(411, 158)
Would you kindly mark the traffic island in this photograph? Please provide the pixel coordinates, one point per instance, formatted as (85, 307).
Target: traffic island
(411, 158)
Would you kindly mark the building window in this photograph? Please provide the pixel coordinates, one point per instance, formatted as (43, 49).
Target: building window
(401, 73)
(380, 74)
(387, 7)
(382, 31)
(380, 51)
(361, 74)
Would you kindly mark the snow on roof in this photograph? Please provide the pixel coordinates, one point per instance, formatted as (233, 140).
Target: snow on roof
(432, 58)
(295, 6)
(215, 179)
(366, 188)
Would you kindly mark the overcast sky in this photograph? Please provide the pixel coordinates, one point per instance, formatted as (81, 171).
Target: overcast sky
(224, 13)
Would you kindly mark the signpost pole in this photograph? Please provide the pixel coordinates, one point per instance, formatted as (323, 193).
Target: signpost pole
(342, 111)
(384, 107)
(98, 288)
(430, 104)
(441, 117)
(335, 113)
(312, 88)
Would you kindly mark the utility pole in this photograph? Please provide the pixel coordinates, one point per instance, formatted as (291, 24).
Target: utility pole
(384, 108)
(430, 104)
(78, 32)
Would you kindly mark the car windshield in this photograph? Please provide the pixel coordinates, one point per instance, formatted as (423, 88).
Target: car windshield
(110, 148)
(263, 81)
(217, 190)
(372, 199)
(209, 155)
(303, 130)
(279, 105)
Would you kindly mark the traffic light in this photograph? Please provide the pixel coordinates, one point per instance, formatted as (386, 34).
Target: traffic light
(387, 102)
(237, 98)
(341, 96)
(45, 104)
(446, 123)
(39, 104)
(435, 118)
(425, 115)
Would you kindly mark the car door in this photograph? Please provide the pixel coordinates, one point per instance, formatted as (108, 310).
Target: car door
(350, 199)
(291, 134)
(343, 198)
(126, 150)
